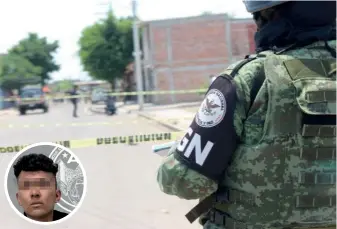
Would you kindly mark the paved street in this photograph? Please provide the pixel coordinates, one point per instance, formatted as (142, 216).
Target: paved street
(122, 190)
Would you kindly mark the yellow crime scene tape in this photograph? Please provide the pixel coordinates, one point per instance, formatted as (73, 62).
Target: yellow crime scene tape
(100, 141)
(192, 91)
(81, 124)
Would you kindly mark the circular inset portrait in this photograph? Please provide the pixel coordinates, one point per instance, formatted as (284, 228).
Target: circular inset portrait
(45, 183)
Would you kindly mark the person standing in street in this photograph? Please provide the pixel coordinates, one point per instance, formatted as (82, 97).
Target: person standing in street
(74, 101)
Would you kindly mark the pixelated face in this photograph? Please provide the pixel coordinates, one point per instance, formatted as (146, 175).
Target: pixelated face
(37, 194)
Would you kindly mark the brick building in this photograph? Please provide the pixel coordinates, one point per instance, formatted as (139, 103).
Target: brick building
(182, 53)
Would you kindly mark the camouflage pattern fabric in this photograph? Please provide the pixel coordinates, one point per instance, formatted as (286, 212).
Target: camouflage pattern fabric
(175, 178)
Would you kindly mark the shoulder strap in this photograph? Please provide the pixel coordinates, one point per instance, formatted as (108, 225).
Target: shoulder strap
(259, 81)
(241, 64)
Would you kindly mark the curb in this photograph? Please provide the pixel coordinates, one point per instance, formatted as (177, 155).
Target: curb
(162, 123)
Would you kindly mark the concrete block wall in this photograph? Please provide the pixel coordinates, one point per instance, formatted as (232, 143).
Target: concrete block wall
(182, 53)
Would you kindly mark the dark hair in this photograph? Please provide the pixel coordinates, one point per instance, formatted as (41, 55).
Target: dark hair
(35, 162)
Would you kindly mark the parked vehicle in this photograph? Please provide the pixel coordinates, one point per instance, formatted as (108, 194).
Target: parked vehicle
(98, 95)
(32, 99)
(58, 97)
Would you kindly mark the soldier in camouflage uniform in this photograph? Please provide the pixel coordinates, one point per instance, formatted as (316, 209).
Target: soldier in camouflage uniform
(260, 152)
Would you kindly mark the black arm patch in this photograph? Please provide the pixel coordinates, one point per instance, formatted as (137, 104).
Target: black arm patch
(210, 141)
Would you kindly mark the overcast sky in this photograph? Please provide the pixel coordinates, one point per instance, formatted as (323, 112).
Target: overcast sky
(63, 20)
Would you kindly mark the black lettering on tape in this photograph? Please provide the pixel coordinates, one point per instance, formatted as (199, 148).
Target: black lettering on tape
(99, 141)
(9, 149)
(12, 149)
(107, 141)
(146, 138)
(21, 147)
(134, 139)
(159, 137)
(122, 139)
(66, 144)
(167, 136)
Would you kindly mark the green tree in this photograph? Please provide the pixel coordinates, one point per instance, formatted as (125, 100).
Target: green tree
(106, 48)
(16, 71)
(39, 52)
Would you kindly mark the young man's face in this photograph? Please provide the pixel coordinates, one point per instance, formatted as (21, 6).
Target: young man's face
(37, 194)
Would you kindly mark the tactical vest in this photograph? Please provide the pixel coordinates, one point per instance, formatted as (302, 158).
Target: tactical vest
(287, 179)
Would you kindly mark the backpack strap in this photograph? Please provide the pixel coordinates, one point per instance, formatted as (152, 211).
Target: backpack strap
(259, 81)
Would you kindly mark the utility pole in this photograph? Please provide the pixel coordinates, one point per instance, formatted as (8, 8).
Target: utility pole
(137, 55)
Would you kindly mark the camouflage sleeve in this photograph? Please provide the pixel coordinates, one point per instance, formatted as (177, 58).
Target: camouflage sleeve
(175, 178)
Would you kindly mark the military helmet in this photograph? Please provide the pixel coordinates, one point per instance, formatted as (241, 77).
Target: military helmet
(253, 6)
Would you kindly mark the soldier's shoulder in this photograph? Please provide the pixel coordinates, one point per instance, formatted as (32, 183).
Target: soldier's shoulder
(316, 50)
(251, 65)
(246, 72)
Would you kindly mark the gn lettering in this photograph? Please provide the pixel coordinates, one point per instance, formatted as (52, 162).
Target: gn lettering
(187, 146)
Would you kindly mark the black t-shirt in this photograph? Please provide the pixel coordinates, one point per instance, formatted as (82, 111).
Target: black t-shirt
(56, 216)
(73, 93)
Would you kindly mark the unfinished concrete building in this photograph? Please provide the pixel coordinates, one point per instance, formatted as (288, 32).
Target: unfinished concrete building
(182, 53)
